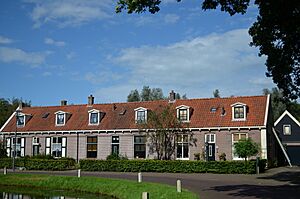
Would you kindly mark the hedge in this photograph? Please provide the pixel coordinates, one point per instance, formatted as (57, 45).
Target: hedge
(170, 166)
(39, 164)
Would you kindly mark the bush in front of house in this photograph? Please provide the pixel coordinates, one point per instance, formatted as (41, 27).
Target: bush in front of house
(33, 163)
(170, 166)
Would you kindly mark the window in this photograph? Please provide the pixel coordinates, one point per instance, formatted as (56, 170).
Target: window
(56, 146)
(140, 146)
(287, 130)
(60, 119)
(115, 145)
(94, 118)
(182, 145)
(35, 146)
(17, 147)
(238, 111)
(235, 138)
(210, 138)
(140, 115)
(91, 147)
(21, 120)
(183, 113)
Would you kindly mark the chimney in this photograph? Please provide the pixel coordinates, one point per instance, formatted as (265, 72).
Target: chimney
(172, 96)
(90, 100)
(63, 102)
(20, 107)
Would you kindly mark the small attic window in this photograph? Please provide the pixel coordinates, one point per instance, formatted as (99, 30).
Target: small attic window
(45, 115)
(94, 117)
(238, 111)
(213, 109)
(60, 119)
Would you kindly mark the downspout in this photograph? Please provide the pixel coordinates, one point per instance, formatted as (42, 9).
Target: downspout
(77, 156)
(281, 146)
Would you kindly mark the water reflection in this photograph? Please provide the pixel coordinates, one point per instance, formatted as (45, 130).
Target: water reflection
(9, 192)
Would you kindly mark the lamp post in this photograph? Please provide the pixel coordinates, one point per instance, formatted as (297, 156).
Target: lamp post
(15, 141)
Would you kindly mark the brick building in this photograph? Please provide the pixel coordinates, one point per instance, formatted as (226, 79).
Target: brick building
(96, 130)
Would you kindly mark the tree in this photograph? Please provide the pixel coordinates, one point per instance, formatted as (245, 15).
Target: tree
(216, 93)
(156, 94)
(280, 104)
(146, 94)
(245, 148)
(276, 33)
(165, 127)
(3, 153)
(134, 96)
(8, 106)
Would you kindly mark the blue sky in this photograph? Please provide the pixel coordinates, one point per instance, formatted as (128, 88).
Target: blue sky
(53, 50)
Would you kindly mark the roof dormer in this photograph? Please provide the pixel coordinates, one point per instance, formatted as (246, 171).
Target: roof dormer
(94, 117)
(61, 118)
(140, 115)
(183, 113)
(22, 118)
(239, 111)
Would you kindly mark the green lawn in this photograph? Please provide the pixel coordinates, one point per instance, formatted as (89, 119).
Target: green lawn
(113, 187)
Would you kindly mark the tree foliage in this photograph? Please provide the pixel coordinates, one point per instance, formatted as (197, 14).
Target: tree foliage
(8, 106)
(276, 33)
(245, 148)
(3, 153)
(165, 127)
(216, 93)
(148, 94)
(280, 104)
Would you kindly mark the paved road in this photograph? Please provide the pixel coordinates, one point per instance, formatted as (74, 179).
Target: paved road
(276, 183)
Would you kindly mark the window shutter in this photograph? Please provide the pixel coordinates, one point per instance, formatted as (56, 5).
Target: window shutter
(48, 145)
(8, 149)
(64, 147)
(22, 147)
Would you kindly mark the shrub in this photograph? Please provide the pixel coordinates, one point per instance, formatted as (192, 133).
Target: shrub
(115, 156)
(33, 163)
(171, 166)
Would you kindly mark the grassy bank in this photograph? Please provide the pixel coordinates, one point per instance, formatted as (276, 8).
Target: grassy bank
(113, 187)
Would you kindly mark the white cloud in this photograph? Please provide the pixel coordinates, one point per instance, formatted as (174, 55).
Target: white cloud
(198, 66)
(171, 18)
(71, 55)
(55, 43)
(103, 76)
(10, 55)
(46, 74)
(4, 40)
(69, 12)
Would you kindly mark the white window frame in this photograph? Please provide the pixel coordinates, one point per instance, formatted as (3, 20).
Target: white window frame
(182, 142)
(90, 114)
(21, 115)
(234, 157)
(49, 146)
(208, 137)
(140, 109)
(56, 117)
(183, 107)
(284, 129)
(239, 105)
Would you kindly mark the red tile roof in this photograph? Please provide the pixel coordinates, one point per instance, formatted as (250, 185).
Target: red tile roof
(201, 114)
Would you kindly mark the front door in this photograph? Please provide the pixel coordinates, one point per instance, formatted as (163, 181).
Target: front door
(210, 147)
(210, 151)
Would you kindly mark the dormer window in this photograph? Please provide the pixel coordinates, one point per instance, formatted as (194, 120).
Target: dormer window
(140, 115)
(94, 117)
(183, 113)
(20, 120)
(238, 111)
(60, 119)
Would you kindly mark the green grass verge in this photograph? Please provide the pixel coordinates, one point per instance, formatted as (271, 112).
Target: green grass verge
(121, 189)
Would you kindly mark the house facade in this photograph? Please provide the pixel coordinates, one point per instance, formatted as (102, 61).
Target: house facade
(97, 130)
(288, 128)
